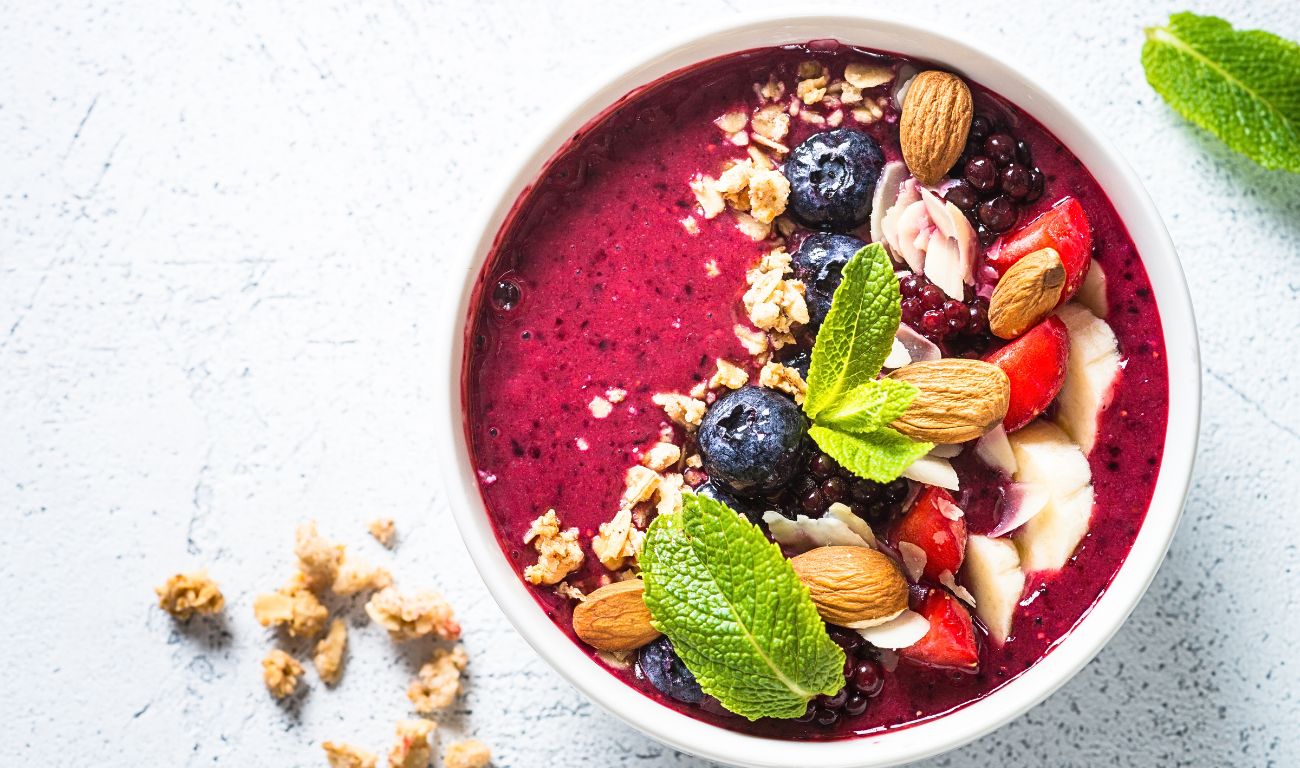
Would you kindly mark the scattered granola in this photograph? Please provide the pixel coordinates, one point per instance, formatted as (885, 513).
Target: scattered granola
(293, 606)
(772, 90)
(616, 395)
(318, 558)
(771, 126)
(694, 461)
(617, 541)
(711, 268)
(410, 616)
(812, 82)
(469, 753)
(281, 673)
(680, 409)
(639, 484)
(565, 589)
(768, 194)
(729, 375)
(691, 226)
(186, 594)
(754, 342)
(412, 749)
(863, 76)
(784, 379)
(774, 303)
(438, 682)
(356, 575)
(558, 552)
(384, 530)
(348, 756)
(710, 200)
(329, 652)
(600, 407)
(661, 456)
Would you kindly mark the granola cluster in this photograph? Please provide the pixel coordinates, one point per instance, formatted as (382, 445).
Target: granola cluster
(438, 682)
(186, 594)
(774, 302)
(558, 552)
(281, 673)
(784, 379)
(412, 615)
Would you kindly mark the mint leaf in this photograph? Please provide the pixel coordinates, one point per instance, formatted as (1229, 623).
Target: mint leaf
(879, 455)
(738, 616)
(870, 406)
(1242, 86)
(858, 332)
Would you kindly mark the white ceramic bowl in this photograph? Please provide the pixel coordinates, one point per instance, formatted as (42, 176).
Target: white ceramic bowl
(1075, 650)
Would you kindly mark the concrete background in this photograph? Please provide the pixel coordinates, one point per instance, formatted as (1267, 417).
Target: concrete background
(223, 227)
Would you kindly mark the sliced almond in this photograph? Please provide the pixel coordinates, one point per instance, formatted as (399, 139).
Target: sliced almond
(852, 585)
(614, 617)
(1026, 293)
(937, 112)
(957, 399)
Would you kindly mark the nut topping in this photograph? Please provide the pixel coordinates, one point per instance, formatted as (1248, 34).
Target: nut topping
(1026, 293)
(936, 119)
(958, 399)
(852, 586)
(614, 617)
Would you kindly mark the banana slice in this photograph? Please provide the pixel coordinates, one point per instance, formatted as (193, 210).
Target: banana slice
(1047, 457)
(993, 574)
(1090, 374)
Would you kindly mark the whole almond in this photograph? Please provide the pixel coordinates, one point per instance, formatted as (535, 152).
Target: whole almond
(614, 617)
(852, 586)
(1026, 293)
(957, 399)
(937, 113)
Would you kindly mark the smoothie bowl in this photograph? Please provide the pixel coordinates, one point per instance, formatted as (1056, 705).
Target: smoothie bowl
(822, 392)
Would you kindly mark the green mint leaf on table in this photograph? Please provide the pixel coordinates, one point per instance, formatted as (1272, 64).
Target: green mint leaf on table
(737, 615)
(1241, 85)
(858, 332)
(850, 408)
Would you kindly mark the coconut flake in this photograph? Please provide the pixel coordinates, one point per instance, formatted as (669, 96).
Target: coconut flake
(1020, 504)
(845, 515)
(994, 449)
(949, 510)
(963, 594)
(899, 632)
(805, 533)
(892, 177)
(903, 81)
(950, 249)
(918, 347)
(932, 470)
(914, 559)
(948, 451)
(898, 355)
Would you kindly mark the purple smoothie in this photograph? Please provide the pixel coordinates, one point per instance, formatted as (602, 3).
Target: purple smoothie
(613, 292)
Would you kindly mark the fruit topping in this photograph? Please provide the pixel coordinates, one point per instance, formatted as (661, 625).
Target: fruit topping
(838, 527)
(852, 586)
(614, 617)
(818, 263)
(956, 400)
(1035, 364)
(937, 526)
(1028, 290)
(1092, 294)
(994, 577)
(833, 179)
(1090, 375)
(933, 470)
(950, 642)
(995, 451)
(1047, 457)
(935, 122)
(932, 237)
(1065, 229)
(751, 440)
(887, 189)
(664, 669)
(1020, 502)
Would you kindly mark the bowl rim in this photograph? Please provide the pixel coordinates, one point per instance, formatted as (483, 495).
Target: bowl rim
(941, 732)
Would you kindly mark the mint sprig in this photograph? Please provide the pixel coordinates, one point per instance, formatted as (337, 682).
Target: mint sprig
(850, 408)
(736, 613)
(1241, 85)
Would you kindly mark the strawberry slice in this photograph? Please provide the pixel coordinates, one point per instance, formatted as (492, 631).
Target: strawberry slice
(937, 525)
(1063, 227)
(950, 643)
(1035, 364)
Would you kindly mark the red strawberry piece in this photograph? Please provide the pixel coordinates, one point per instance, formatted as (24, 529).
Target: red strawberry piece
(1065, 228)
(1035, 364)
(950, 643)
(935, 524)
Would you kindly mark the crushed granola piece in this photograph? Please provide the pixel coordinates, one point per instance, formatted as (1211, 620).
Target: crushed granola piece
(558, 552)
(348, 756)
(565, 589)
(661, 456)
(771, 122)
(711, 268)
(863, 76)
(706, 194)
(292, 605)
(729, 375)
(700, 390)
(468, 753)
(412, 749)
(639, 484)
(356, 575)
(740, 139)
(318, 557)
(599, 407)
(772, 90)
(768, 193)
(281, 673)
(760, 159)
(384, 530)
(616, 659)
(783, 379)
(691, 226)
(754, 342)
(751, 227)
(615, 395)
(438, 682)
(408, 616)
(733, 184)
(869, 112)
(669, 493)
(731, 122)
(835, 119)
(812, 82)
(682, 410)
(694, 461)
(329, 652)
(812, 118)
(617, 541)
(846, 93)
(773, 302)
(186, 594)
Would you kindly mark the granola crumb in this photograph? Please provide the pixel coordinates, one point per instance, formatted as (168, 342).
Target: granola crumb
(318, 558)
(186, 594)
(293, 606)
(691, 226)
(565, 589)
(639, 484)
(813, 79)
(558, 552)
(281, 673)
(616, 659)
(661, 456)
(729, 375)
(468, 753)
(384, 530)
(680, 409)
(600, 407)
(348, 756)
(731, 122)
(754, 342)
(771, 122)
(783, 379)
(694, 461)
(438, 682)
(615, 395)
(773, 302)
(412, 749)
(708, 197)
(356, 575)
(409, 616)
(711, 268)
(772, 90)
(329, 652)
(617, 541)
(768, 193)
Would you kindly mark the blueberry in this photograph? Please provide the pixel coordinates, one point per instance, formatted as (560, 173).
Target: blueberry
(832, 179)
(751, 440)
(714, 490)
(664, 669)
(818, 263)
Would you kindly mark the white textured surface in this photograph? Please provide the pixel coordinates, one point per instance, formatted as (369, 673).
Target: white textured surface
(221, 232)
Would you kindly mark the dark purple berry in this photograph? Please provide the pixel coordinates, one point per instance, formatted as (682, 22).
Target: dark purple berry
(808, 714)
(1014, 180)
(845, 638)
(896, 491)
(834, 489)
(856, 705)
(932, 297)
(864, 491)
(813, 501)
(826, 717)
(910, 285)
(933, 322)
(1036, 182)
(1000, 148)
(979, 128)
(1023, 153)
(506, 295)
(837, 701)
(963, 195)
(868, 677)
(981, 173)
(822, 466)
(998, 214)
